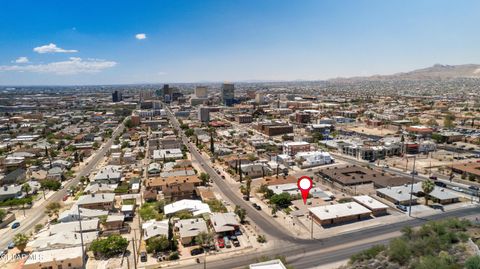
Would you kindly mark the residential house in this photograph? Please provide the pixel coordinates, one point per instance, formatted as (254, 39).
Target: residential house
(104, 201)
(188, 229)
(224, 223)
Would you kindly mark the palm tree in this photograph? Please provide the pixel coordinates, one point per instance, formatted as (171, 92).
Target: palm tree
(427, 188)
(20, 241)
(248, 188)
(204, 239)
(52, 209)
(241, 212)
(26, 188)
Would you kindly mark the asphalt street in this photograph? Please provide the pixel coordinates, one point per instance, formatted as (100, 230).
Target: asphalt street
(37, 214)
(302, 253)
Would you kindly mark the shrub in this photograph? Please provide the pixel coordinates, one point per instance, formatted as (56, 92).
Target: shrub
(367, 254)
(174, 256)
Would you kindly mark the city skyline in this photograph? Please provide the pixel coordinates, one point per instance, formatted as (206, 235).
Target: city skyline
(214, 41)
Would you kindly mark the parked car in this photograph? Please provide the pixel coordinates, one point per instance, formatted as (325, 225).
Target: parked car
(11, 245)
(196, 251)
(221, 242)
(238, 232)
(403, 208)
(235, 241)
(257, 207)
(3, 253)
(227, 242)
(15, 225)
(143, 256)
(65, 197)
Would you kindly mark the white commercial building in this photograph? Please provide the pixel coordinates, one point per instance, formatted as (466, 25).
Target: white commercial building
(338, 213)
(313, 158)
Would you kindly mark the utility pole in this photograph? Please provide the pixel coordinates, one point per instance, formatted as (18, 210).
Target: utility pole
(81, 236)
(411, 186)
(134, 253)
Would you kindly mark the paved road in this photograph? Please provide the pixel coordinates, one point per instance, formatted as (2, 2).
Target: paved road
(269, 226)
(37, 214)
(304, 253)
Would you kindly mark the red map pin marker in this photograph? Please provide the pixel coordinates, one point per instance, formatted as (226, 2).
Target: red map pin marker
(304, 184)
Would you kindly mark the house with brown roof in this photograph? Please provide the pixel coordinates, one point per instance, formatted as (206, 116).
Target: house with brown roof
(175, 187)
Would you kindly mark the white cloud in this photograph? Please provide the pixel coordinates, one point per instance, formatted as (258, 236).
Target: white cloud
(141, 36)
(161, 73)
(21, 60)
(52, 48)
(74, 65)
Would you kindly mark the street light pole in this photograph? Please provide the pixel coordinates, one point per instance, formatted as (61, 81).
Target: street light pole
(411, 187)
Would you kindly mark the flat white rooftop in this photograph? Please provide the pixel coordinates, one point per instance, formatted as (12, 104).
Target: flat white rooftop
(369, 202)
(339, 210)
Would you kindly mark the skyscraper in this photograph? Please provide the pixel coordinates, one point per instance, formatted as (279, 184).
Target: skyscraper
(201, 92)
(228, 94)
(204, 114)
(116, 96)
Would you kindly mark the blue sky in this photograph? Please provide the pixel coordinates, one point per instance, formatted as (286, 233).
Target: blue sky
(94, 42)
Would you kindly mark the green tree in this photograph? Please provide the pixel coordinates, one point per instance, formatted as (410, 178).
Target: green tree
(52, 209)
(448, 121)
(282, 200)
(189, 132)
(157, 244)
(3, 214)
(26, 188)
(20, 240)
(204, 177)
(241, 213)
(51, 184)
(248, 187)
(110, 246)
(427, 188)
(205, 239)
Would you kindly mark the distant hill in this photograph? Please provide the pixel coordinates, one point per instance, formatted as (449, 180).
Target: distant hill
(436, 72)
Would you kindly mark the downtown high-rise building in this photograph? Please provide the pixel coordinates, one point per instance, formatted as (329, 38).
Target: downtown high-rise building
(228, 94)
(201, 92)
(117, 97)
(204, 114)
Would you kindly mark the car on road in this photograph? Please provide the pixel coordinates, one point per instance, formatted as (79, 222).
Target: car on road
(11, 245)
(440, 184)
(257, 207)
(403, 208)
(433, 177)
(65, 197)
(15, 225)
(221, 242)
(415, 173)
(475, 188)
(196, 251)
